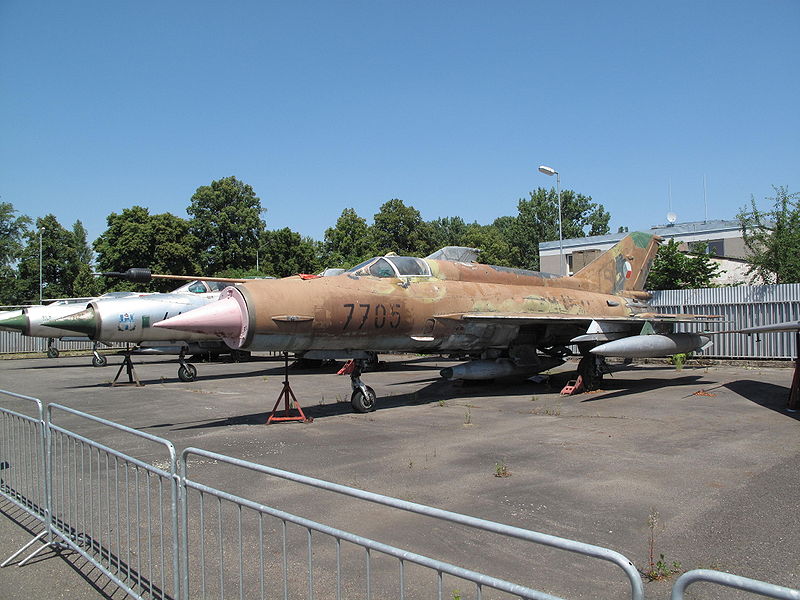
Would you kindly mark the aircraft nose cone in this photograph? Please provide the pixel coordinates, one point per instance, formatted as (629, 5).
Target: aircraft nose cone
(16, 323)
(84, 322)
(225, 318)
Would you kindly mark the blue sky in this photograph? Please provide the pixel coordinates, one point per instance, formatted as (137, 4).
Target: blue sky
(450, 106)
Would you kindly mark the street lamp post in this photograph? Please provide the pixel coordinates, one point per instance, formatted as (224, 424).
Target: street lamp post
(551, 171)
(41, 230)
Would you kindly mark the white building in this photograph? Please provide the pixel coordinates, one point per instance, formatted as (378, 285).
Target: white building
(724, 240)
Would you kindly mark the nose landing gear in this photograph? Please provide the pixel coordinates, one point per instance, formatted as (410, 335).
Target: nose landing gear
(363, 397)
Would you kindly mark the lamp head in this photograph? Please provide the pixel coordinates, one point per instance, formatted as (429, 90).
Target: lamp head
(547, 170)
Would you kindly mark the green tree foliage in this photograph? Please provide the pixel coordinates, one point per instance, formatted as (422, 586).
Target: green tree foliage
(60, 262)
(286, 252)
(400, 228)
(537, 221)
(348, 242)
(491, 241)
(135, 238)
(676, 270)
(82, 247)
(226, 222)
(448, 231)
(12, 233)
(772, 237)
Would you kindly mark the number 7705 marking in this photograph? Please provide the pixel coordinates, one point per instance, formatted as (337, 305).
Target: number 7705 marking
(380, 312)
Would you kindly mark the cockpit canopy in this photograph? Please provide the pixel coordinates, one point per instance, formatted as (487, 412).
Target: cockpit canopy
(392, 266)
(203, 287)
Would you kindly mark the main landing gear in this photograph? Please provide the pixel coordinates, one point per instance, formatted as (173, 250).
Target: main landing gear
(591, 368)
(363, 397)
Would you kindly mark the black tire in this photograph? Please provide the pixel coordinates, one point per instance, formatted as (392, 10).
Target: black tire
(52, 352)
(99, 361)
(187, 372)
(362, 403)
(592, 376)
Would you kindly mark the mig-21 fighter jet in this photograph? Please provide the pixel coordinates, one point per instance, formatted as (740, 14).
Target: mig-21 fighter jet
(512, 321)
(129, 319)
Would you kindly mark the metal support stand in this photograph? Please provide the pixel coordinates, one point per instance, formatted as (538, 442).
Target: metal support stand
(793, 402)
(132, 378)
(289, 399)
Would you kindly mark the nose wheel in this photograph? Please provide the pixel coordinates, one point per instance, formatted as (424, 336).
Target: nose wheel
(363, 397)
(186, 371)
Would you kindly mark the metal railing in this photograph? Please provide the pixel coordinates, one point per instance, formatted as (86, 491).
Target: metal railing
(438, 567)
(158, 533)
(732, 581)
(118, 512)
(22, 451)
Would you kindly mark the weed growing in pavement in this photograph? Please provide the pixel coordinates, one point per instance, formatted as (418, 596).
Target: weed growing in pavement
(658, 569)
(467, 417)
(501, 470)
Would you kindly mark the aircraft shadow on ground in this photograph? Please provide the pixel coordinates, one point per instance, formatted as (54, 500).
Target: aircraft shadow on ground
(437, 389)
(768, 395)
(106, 374)
(617, 388)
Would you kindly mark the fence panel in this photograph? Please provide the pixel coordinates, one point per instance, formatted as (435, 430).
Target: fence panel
(22, 451)
(731, 581)
(118, 512)
(234, 546)
(742, 306)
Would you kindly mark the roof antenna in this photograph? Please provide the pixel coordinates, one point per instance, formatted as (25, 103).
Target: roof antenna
(671, 216)
(705, 199)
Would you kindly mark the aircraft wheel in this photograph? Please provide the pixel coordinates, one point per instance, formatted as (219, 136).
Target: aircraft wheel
(187, 372)
(592, 376)
(99, 361)
(52, 352)
(239, 355)
(363, 403)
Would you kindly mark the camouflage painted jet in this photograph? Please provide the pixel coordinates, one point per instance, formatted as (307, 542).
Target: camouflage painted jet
(513, 321)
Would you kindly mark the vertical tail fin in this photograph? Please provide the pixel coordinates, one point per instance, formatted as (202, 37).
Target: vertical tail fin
(623, 267)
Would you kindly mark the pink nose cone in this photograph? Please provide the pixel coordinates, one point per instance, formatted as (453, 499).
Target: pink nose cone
(224, 318)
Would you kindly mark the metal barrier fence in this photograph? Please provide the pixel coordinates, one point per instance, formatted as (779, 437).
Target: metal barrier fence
(158, 533)
(14, 342)
(731, 581)
(118, 512)
(742, 306)
(22, 445)
(332, 552)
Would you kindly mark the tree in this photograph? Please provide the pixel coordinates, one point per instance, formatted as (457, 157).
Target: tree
(60, 264)
(286, 253)
(448, 231)
(537, 221)
(400, 228)
(491, 241)
(12, 232)
(676, 270)
(226, 222)
(348, 242)
(772, 237)
(135, 238)
(81, 242)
